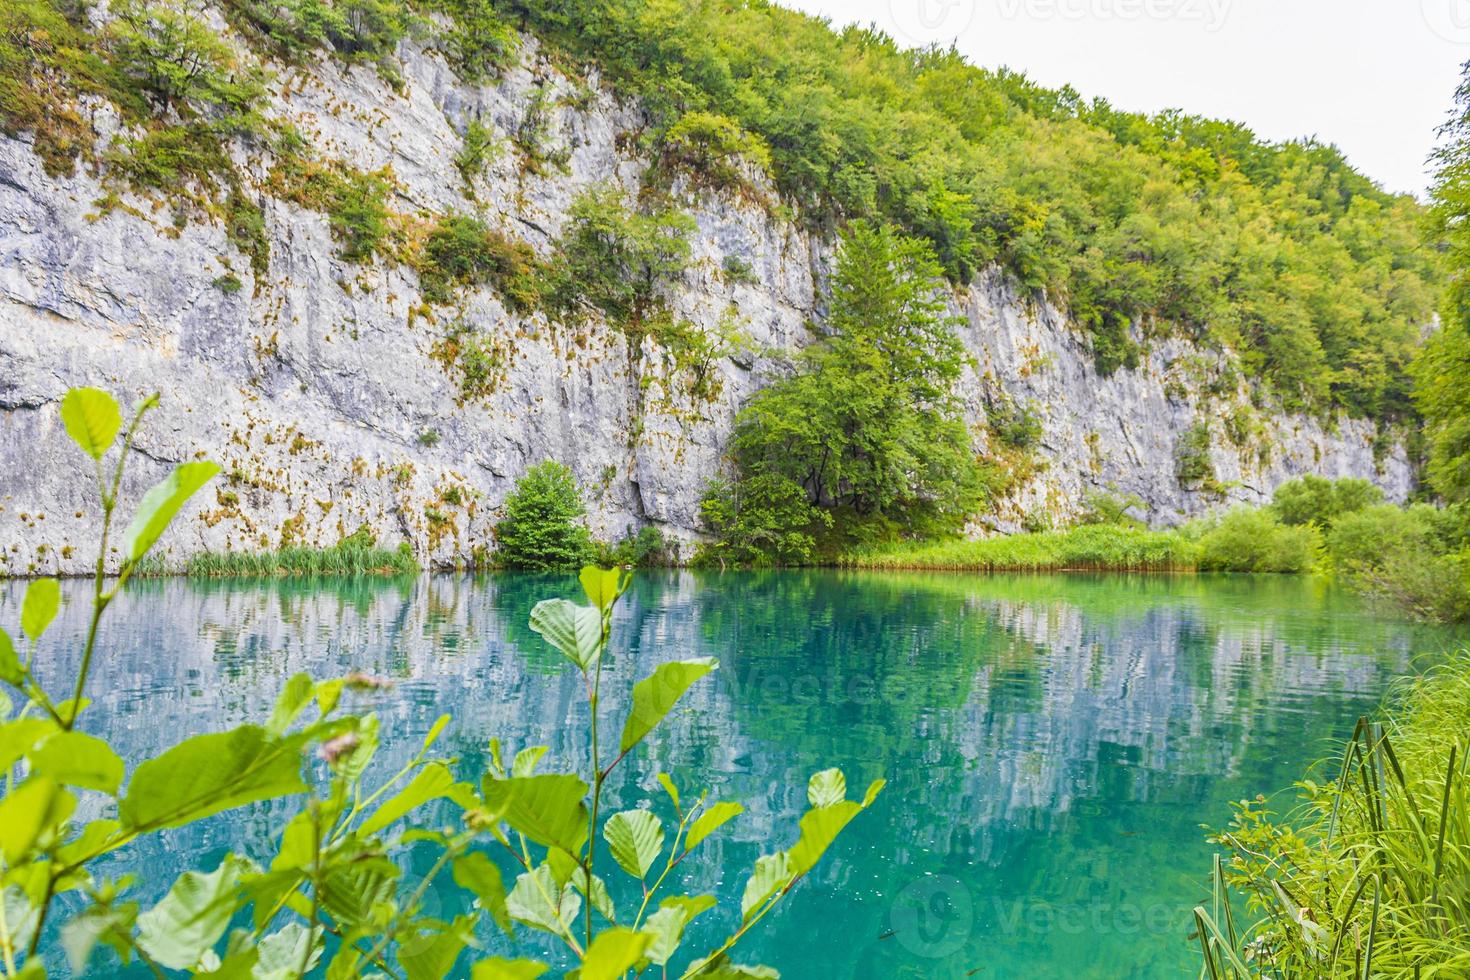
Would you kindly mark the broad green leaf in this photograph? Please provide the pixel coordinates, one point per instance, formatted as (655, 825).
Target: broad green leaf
(826, 788)
(667, 783)
(654, 696)
(604, 585)
(574, 630)
(613, 953)
(87, 843)
(17, 737)
(210, 773)
(92, 419)
(239, 963)
(293, 699)
(22, 917)
(282, 952)
(819, 828)
(192, 916)
(161, 505)
(359, 889)
(548, 809)
(475, 872)
(667, 925)
(710, 821)
(526, 759)
(37, 806)
(598, 894)
(539, 902)
(10, 665)
(497, 968)
(430, 955)
(429, 783)
(772, 873)
(636, 837)
(77, 759)
(43, 599)
(874, 788)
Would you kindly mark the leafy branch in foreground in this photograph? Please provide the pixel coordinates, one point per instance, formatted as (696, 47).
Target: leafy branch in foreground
(334, 900)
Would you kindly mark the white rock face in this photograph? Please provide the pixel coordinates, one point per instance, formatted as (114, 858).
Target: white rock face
(315, 387)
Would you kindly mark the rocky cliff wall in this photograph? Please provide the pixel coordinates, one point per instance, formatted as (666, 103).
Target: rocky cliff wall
(316, 387)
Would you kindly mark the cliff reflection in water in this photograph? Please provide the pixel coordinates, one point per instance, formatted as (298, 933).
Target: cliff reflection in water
(1052, 743)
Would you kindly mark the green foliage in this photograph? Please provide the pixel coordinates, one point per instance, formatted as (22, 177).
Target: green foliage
(479, 43)
(542, 528)
(1112, 509)
(1367, 876)
(1440, 373)
(1100, 547)
(646, 548)
(1138, 224)
(478, 361)
(479, 150)
(356, 554)
(45, 60)
(616, 259)
(1246, 540)
(178, 60)
(354, 29)
(461, 251)
(1017, 426)
(245, 226)
(714, 151)
(348, 834)
(866, 437)
(1413, 557)
(1192, 464)
(1317, 500)
(356, 203)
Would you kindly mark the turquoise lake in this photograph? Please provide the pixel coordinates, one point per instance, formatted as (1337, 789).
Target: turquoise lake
(1052, 744)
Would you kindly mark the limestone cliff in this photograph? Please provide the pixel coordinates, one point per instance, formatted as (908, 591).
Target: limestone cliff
(317, 387)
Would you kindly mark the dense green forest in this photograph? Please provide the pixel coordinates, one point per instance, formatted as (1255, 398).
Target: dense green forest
(1139, 226)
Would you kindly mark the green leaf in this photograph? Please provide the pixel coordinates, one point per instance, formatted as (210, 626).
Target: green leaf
(77, 759)
(574, 630)
(497, 968)
(654, 696)
(526, 759)
(11, 671)
(710, 821)
(613, 953)
(826, 788)
(874, 788)
(430, 955)
(535, 895)
(667, 783)
(17, 737)
(92, 419)
(548, 809)
(475, 872)
(192, 916)
(80, 935)
(282, 952)
(604, 585)
(819, 828)
(435, 730)
(210, 773)
(161, 505)
(43, 599)
(723, 969)
(667, 925)
(636, 838)
(772, 873)
(429, 783)
(598, 894)
(38, 806)
(293, 699)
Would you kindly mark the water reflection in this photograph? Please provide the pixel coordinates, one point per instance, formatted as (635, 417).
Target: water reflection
(1052, 743)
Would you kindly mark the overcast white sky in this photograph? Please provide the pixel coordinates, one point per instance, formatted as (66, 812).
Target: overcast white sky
(1375, 77)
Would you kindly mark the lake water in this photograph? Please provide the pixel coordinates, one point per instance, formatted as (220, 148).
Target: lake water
(1052, 744)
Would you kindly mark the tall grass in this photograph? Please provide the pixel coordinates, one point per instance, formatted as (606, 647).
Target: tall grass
(1370, 877)
(1090, 548)
(351, 557)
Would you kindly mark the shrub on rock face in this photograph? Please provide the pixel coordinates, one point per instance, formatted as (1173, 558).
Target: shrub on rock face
(543, 529)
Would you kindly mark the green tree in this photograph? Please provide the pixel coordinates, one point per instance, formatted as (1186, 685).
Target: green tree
(542, 528)
(1317, 500)
(867, 431)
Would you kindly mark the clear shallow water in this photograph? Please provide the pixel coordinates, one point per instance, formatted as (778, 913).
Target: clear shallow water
(1052, 744)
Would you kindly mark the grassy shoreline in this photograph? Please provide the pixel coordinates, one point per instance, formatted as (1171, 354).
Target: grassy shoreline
(1098, 548)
